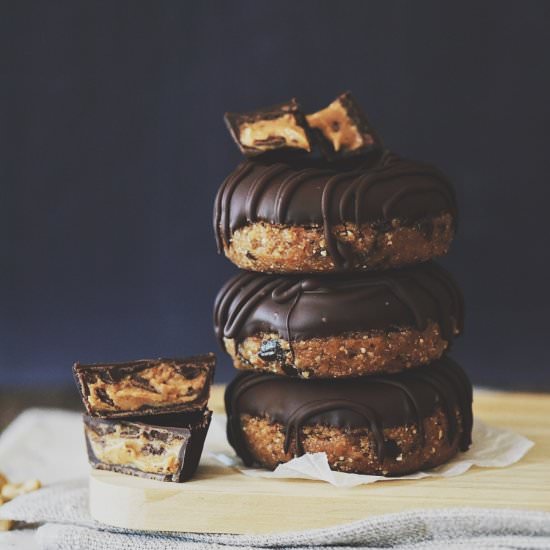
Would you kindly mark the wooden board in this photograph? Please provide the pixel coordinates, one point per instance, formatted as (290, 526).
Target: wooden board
(221, 500)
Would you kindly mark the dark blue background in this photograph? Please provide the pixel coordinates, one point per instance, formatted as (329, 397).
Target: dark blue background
(112, 147)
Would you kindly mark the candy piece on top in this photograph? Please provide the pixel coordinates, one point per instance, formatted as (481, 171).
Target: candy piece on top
(281, 126)
(343, 129)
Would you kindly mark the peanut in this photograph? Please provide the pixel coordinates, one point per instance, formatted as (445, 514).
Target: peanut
(9, 491)
(6, 524)
(13, 490)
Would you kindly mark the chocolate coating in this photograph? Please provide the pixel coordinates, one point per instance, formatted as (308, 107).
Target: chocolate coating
(373, 402)
(299, 308)
(308, 192)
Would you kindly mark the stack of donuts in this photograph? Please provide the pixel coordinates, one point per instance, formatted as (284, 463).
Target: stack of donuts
(339, 320)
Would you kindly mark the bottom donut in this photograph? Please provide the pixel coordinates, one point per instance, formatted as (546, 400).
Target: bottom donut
(385, 425)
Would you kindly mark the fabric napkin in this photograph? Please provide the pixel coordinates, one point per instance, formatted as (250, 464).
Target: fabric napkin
(68, 526)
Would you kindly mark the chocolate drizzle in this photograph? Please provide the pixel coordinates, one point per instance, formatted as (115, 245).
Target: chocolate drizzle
(221, 214)
(374, 403)
(307, 192)
(299, 308)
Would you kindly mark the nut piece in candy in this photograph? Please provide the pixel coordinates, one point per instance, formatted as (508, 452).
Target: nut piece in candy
(3, 480)
(281, 126)
(343, 129)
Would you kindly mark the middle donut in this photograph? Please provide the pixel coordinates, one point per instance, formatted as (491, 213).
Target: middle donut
(340, 325)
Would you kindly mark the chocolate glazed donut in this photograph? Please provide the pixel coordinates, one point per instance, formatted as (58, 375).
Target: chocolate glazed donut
(391, 424)
(339, 325)
(369, 213)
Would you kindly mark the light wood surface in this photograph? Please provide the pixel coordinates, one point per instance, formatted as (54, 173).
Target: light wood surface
(221, 500)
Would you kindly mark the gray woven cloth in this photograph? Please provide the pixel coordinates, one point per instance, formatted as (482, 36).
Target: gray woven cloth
(66, 525)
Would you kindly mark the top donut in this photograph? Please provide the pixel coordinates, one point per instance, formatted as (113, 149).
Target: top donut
(318, 193)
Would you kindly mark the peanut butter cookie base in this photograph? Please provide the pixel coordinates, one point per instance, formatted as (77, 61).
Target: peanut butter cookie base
(273, 248)
(356, 354)
(354, 450)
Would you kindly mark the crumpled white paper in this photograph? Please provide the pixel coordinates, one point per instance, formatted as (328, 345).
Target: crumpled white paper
(491, 448)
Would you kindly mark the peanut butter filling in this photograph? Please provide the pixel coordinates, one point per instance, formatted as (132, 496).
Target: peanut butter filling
(157, 385)
(136, 451)
(336, 126)
(267, 134)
